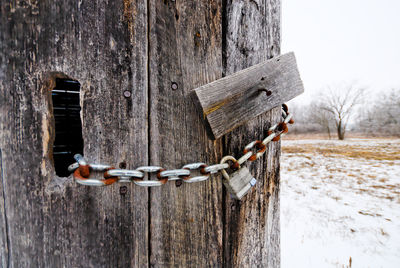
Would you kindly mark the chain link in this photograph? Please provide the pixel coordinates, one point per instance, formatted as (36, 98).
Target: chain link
(252, 151)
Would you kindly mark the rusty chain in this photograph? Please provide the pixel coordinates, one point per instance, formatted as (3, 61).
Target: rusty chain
(252, 151)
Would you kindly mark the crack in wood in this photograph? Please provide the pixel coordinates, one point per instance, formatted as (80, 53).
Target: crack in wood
(4, 208)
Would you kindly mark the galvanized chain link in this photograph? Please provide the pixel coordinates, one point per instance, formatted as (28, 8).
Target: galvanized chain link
(252, 151)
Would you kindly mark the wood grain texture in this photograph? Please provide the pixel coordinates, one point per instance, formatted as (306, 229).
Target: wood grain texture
(47, 221)
(251, 237)
(185, 48)
(230, 101)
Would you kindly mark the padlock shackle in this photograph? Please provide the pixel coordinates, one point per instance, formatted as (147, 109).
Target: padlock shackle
(223, 160)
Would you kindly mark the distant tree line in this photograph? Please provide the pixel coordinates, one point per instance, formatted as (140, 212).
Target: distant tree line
(382, 117)
(340, 109)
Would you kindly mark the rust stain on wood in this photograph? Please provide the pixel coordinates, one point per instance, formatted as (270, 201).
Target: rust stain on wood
(215, 107)
(130, 13)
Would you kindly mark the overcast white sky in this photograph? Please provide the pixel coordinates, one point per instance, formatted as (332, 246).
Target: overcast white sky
(343, 40)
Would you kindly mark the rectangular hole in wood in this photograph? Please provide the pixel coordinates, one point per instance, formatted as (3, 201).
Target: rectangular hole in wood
(68, 127)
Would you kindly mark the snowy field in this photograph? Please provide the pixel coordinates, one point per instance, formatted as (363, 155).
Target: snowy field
(340, 203)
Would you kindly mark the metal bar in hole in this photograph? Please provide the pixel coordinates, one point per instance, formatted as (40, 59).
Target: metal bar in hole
(65, 91)
(62, 153)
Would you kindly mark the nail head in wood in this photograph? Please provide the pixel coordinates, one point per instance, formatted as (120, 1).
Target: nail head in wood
(174, 86)
(127, 94)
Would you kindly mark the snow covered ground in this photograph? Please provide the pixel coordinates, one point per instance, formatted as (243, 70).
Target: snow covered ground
(340, 203)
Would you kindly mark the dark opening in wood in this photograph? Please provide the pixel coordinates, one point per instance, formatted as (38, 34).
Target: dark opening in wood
(68, 127)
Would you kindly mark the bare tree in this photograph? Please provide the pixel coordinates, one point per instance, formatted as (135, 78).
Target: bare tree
(339, 102)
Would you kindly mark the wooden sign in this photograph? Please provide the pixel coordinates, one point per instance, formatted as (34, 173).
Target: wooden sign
(230, 101)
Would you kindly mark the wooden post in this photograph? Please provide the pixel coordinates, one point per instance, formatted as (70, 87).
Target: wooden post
(252, 232)
(159, 51)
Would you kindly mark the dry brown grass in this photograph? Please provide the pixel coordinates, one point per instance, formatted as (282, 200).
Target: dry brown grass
(387, 186)
(370, 214)
(342, 151)
(384, 233)
(323, 136)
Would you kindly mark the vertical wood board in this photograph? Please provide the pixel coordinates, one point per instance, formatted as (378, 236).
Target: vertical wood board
(52, 221)
(252, 35)
(185, 48)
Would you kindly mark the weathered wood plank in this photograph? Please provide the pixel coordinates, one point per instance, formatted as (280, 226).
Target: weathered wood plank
(252, 35)
(52, 221)
(185, 48)
(230, 101)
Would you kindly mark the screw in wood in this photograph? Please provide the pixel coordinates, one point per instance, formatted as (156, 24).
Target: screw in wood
(174, 86)
(127, 94)
(122, 165)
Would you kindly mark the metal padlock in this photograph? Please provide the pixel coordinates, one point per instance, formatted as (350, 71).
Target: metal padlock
(239, 182)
